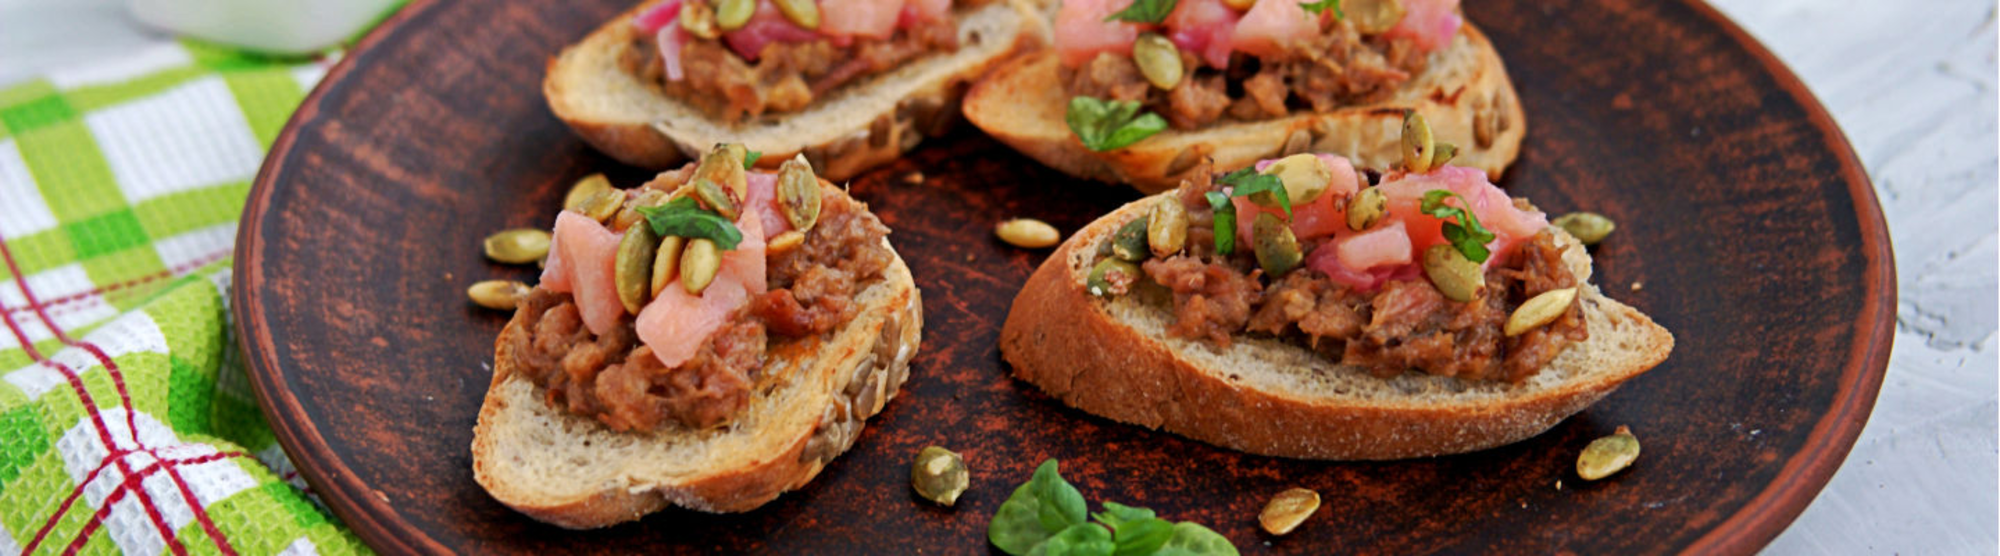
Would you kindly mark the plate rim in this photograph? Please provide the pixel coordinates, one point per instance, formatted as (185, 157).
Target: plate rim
(1767, 514)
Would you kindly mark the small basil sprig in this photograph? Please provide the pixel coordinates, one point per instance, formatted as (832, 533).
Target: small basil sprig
(682, 217)
(1322, 5)
(1146, 11)
(1466, 235)
(1248, 182)
(1225, 222)
(1044, 517)
(1106, 125)
(750, 158)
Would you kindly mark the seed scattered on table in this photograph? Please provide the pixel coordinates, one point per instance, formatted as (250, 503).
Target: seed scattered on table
(498, 294)
(1608, 455)
(1287, 510)
(1027, 232)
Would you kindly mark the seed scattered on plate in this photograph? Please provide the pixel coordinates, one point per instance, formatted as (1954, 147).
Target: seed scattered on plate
(1027, 232)
(1287, 510)
(498, 294)
(1608, 455)
(517, 246)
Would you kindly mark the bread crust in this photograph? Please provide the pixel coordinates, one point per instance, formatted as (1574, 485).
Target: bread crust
(1465, 95)
(1060, 338)
(853, 373)
(643, 128)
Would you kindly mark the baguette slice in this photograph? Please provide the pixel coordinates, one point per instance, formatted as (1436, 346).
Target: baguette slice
(1112, 357)
(1465, 94)
(857, 126)
(572, 471)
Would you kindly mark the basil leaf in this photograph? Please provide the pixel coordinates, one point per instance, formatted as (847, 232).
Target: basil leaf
(1115, 514)
(1015, 529)
(1082, 539)
(1107, 125)
(750, 158)
(1225, 222)
(1142, 537)
(1466, 235)
(1062, 505)
(683, 217)
(1322, 5)
(1146, 11)
(1248, 183)
(1191, 539)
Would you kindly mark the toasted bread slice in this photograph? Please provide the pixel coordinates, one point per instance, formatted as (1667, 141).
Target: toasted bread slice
(1112, 357)
(1465, 94)
(572, 471)
(854, 127)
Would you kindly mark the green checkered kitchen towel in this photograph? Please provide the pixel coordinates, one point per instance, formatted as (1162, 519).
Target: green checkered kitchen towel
(126, 421)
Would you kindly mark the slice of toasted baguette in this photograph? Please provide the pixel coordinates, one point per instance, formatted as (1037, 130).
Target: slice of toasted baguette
(1112, 357)
(572, 471)
(1464, 94)
(856, 126)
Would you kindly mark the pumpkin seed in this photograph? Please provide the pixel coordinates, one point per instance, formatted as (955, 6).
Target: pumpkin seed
(1373, 17)
(699, 262)
(517, 246)
(730, 15)
(1158, 59)
(1027, 232)
(1277, 249)
(1418, 146)
(584, 189)
(784, 242)
(713, 196)
(666, 263)
(698, 18)
(724, 165)
(1305, 177)
(1539, 310)
(498, 294)
(1366, 208)
(603, 205)
(1457, 277)
(1588, 227)
(633, 265)
(1442, 154)
(1167, 226)
(1287, 510)
(803, 13)
(798, 194)
(1130, 241)
(939, 475)
(1608, 455)
(1111, 276)
(630, 214)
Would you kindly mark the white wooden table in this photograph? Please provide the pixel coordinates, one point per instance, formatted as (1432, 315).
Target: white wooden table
(1913, 84)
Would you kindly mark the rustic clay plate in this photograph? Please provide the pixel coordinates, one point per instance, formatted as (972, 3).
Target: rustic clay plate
(1741, 210)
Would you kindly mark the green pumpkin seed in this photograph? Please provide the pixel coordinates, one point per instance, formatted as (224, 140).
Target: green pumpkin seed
(1111, 276)
(1276, 248)
(585, 188)
(1130, 241)
(700, 260)
(698, 18)
(632, 267)
(713, 196)
(1366, 208)
(1287, 510)
(517, 246)
(666, 264)
(1442, 154)
(1457, 277)
(1539, 310)
(1167, 226)
(1588, 227)
(1158, 60)
(803, 13)
(1418, 146)
(1373, 17)
(498, 294)
(939, 475)
(798, 194)
(1027, 232)
(603, 206)
(724, 165)
(730, 15)
(1305, 176)
(1608, 455)
(630, 214)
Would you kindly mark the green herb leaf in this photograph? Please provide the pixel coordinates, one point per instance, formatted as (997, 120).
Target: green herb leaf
(1142, 537)
(683, 217)
(1082, 539)
(1115, 513)
(1322, 5)
(1250, 183)
(1103, 126)
(1145, 11)
(1191, 539)
(750, 158)
(1466, 235)
(1038, 510)
(1062, 505)
(1225, 222)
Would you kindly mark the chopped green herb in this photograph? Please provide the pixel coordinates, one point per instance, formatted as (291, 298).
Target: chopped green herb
(750, 159)
(1045, 517)
(1465, 235)
(1225, 222)
(1145, 11)
(683, 217)
(1249, 183)
(1103, 126)
(1322, 5)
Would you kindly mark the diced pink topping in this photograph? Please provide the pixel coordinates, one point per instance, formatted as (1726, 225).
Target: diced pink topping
(1082, 33)
(918, 12)
(671, 39)
(675, 324)
(1377, 247)
(1492, 206)
(767, 26)
(1204, 27)
(1431, 24)
(586, 265)
(658, 16)
(859, 18)
(1273, 27)
(764, 199)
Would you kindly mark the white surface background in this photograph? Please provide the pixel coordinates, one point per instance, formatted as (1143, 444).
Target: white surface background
(1911, 83)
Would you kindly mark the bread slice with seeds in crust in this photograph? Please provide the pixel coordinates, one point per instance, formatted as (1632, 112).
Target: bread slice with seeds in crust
(1111, 357)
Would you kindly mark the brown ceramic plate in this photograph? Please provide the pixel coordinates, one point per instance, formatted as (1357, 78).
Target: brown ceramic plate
(1741, 209)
